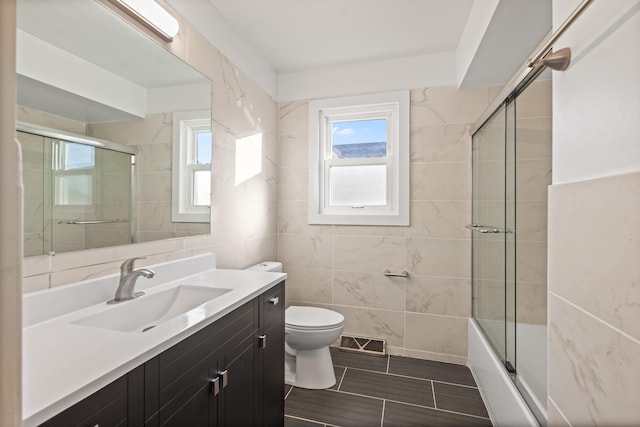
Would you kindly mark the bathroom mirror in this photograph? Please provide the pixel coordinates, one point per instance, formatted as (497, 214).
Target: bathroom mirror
(83, 71)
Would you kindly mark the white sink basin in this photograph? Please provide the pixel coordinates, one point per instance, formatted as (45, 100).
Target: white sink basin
(146, 312)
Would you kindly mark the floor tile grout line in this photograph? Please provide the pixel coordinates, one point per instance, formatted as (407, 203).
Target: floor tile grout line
(384, 404)
(288, 393)
(455, 384)
(407, 376)
(344, 373)
(406, 403)
(388, 363)
(433, 391)
(304, 419)
(461, 413)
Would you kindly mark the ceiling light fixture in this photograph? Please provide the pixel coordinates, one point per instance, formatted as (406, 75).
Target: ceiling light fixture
(151, 15)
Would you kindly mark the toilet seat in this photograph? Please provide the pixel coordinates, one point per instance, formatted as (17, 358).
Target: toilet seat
(312, 318)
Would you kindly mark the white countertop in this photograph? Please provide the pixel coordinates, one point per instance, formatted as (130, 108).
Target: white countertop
(64, 362)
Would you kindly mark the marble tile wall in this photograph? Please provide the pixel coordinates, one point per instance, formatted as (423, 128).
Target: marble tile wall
(42, 118)
(594, 295)
(152, 139)
(33, 181)
(244, 219)
(340, 267)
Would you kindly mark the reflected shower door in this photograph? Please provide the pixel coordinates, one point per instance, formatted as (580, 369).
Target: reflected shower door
(90, 196)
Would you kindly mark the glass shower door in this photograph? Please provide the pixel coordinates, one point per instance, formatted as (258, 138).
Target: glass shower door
(491, 259)
(511, 173)
(488, 218)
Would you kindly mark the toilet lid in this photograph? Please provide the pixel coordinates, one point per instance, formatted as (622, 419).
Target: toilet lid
(312, 318)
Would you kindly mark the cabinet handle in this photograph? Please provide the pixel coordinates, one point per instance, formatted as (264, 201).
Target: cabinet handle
(274, 300)
(214, 386)
(224, 375)
(262, 341)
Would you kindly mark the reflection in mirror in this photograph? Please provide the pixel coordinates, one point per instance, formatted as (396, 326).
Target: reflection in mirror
(89, 74)
(77, 195)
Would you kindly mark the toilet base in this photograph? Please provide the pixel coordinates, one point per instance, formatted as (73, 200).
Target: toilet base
(312, 369)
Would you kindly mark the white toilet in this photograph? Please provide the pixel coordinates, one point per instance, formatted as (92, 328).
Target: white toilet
(308, 333)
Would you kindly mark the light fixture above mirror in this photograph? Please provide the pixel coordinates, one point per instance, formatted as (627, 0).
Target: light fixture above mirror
(151, 15)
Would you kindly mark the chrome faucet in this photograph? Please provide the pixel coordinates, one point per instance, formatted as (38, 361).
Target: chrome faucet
(128, 277)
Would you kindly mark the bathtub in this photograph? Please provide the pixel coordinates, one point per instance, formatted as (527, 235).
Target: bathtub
(505, 404)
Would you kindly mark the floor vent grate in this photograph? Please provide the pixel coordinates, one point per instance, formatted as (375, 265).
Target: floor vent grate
(363, 345)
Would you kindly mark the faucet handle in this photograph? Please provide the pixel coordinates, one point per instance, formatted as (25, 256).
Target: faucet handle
(127, 266)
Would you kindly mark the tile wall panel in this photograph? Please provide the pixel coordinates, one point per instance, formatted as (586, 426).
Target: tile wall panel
(425, 315)
(594, 332)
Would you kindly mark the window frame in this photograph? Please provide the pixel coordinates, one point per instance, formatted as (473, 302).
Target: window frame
(394, 106)
(185, 127)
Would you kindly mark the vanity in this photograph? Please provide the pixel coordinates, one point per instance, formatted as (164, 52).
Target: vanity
(201, 348)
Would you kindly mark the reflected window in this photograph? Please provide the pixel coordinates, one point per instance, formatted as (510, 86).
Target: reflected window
(192, 139)
(73, 171)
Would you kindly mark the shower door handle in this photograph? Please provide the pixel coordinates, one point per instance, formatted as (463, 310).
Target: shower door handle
(487, 229)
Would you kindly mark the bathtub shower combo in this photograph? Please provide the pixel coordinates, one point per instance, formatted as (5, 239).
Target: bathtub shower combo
(511, 172)
(512, 168)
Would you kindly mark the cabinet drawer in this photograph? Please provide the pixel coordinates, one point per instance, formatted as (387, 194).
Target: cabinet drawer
(273, 307)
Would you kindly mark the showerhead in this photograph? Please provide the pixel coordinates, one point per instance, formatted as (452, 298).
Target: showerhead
(558, 60)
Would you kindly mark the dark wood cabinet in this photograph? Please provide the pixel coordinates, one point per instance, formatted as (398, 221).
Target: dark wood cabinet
(237, 402)
(222, 375)
(272, 339)
(106, 407)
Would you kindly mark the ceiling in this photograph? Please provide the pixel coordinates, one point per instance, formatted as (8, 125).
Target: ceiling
(295, 35)
(306, 49)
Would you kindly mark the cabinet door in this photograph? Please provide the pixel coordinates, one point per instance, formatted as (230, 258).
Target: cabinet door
(237, 405)
(196, 412)
(272, 355)
(273, 378)
(185, 397)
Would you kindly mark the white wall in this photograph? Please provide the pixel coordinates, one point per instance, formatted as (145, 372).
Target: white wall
(596, 111)
(594, 220)
(10, 229)
(369, 77)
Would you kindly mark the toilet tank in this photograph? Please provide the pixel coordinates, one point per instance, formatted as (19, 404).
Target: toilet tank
(267, 266)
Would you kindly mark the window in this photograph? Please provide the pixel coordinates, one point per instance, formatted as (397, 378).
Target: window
(359, 160)
(191, 190)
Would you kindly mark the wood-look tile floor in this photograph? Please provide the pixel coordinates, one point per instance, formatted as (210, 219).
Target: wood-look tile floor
(389, 391)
